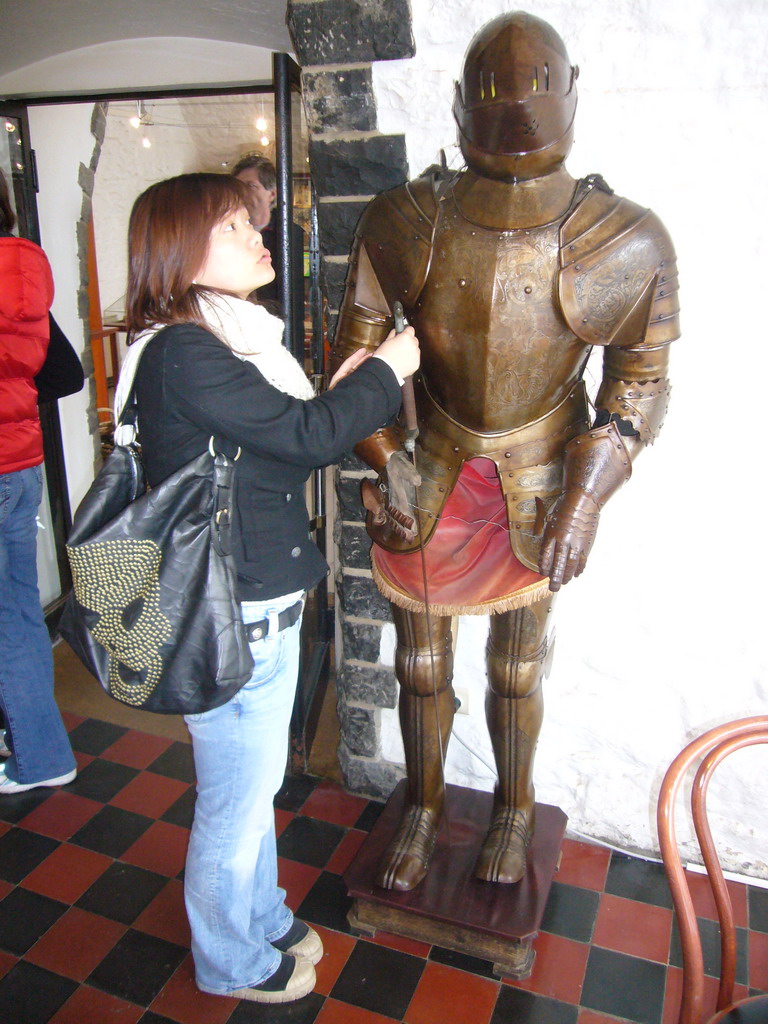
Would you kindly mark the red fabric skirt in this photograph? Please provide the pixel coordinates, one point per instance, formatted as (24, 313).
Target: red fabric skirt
(470, 566)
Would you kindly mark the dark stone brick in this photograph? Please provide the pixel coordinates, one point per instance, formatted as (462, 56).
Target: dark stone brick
(337, 223)
(348, 494)
(374, 779)
(333, 277)
(352, 464)
(358, 727)
(367, 684)
(350, 31)
(360, 167)
(361, 640)
(355, 547)
(340, 101)
(361, 597)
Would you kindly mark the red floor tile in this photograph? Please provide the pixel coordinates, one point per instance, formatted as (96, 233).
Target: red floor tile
(67, 873)
(5, 888)
(282, 820)
(5, 826)
(674, 993)
(149, 794)
(583, 864)
(758, 960)
(83, 760)
(7, 961)
(345, 852)
(162, 848)
(297, 879)
(76, 944)
(558, 970)
(638, 929)
(400, 942)
(329, 802)
(336, 950)
(137, 749)
(335, 1012)
(71, 720)
(704, 901)
(445, 994)
(165, 917)
(61, 815)
(181, 1000)
(88, 1005)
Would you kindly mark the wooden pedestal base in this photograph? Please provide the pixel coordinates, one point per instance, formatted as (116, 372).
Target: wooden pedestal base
(451, 907)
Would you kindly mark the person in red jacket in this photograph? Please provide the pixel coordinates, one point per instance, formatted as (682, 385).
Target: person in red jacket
(36, 742)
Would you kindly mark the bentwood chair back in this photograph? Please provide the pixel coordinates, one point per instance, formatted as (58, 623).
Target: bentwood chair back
(714, 747)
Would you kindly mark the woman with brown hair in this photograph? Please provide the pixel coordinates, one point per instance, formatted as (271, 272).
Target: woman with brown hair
(207, 363)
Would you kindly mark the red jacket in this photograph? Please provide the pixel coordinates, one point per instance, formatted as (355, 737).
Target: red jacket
(26, 294)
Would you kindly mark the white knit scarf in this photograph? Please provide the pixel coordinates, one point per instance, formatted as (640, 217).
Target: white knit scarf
(248, 330)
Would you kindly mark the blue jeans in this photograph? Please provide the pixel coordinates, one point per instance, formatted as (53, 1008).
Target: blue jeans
(234, 904)
(34, 730)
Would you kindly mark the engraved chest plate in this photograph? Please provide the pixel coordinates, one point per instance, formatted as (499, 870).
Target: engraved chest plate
(497, 352)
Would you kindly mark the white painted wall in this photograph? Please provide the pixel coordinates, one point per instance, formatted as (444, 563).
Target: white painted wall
(664, 635)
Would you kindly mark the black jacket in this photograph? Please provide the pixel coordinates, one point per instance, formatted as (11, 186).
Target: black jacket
(190, 386)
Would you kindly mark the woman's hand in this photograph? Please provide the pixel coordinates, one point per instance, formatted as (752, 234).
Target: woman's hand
(401, 352)
(350, 364)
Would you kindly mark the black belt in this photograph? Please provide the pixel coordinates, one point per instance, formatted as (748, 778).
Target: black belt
(258, 630)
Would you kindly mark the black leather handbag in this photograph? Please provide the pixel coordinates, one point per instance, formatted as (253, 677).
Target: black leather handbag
(153, 611)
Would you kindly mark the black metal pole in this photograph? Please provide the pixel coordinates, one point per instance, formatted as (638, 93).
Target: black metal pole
(282, 69)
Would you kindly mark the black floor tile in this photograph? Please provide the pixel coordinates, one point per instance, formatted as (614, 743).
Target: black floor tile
(122, 892)
(183, 810)
(462, 961)
(137, 967)
(639, 880)
(369, 975)
(370, 815)
(327, 903)
(309, 841)
(155, 1018)
(294, 791)
(177, 762)
(758, 908)
(101, 780)
(303, 1011)
(21, 851)
(111, 831)
(24, 917)
(624, 986)
(18, 805)
(32, 995)
(93, 736)
(709, 933)
(571, 912)
(515, 1006)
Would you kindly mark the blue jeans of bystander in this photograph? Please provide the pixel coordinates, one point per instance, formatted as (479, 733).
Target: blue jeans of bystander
(234, 904)
(35, 732)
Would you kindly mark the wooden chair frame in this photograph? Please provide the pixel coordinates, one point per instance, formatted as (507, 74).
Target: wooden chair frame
(714, 747)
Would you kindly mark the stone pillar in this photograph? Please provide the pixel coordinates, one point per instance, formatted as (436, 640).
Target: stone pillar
(336, 42)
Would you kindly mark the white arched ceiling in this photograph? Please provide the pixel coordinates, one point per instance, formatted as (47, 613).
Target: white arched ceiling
(110, 44)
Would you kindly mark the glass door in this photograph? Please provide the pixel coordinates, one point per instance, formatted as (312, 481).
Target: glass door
(304, 336)
(17, 162)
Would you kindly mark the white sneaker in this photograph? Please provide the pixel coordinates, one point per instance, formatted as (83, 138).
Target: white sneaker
(5, 750)
(293, 979)
(9, 786)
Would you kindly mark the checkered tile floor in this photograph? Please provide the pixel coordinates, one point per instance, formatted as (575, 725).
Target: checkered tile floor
(92, 924)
